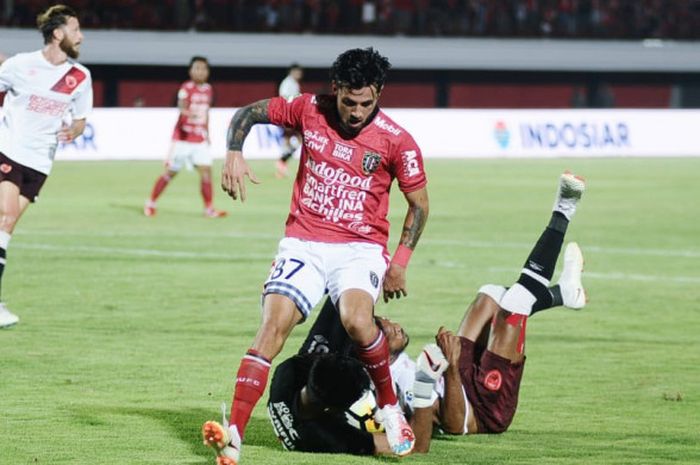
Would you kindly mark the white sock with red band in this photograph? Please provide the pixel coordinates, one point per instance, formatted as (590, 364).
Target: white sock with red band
(518, 299)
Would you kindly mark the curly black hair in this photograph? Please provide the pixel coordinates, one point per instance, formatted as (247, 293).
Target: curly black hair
(358, 68)
(337, 381)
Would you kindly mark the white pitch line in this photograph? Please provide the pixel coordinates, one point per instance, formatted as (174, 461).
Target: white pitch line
(586, 248)
(470, 244)
(142, 252)
(615, 276)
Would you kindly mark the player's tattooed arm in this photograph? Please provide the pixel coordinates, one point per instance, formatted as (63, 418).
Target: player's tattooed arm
(416, 217)
(413, 225)
(243, 121)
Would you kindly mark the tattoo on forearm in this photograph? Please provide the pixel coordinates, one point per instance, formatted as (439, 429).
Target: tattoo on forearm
(243, 120)
(413, 227)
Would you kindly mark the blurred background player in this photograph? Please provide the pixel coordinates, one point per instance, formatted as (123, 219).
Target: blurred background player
(290, 87)
(190, 145)
(351, 155)
(39, 111)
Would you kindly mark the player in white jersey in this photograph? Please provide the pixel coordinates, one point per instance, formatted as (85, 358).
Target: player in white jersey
(49, 96)
(289, 88)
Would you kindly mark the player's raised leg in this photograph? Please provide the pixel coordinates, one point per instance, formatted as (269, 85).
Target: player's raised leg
(532, 291)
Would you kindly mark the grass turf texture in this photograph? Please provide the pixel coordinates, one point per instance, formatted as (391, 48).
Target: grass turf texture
(132, 328)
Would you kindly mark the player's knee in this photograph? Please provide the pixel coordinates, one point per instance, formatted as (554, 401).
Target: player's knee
(360, 329)
(8, 220)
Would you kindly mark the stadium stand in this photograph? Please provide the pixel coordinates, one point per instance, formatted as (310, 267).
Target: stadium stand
(445, 53)
(618, 19)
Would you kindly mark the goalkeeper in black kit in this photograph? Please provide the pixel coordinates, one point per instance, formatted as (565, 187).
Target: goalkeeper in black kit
(311, 392)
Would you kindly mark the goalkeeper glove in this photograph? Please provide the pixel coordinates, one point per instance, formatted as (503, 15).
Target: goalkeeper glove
(430, 366)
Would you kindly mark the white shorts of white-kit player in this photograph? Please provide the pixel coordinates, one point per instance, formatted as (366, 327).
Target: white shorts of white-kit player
(305, 271)
(188, 154)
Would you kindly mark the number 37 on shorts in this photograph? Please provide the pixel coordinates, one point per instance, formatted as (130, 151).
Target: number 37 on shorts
(285, 268)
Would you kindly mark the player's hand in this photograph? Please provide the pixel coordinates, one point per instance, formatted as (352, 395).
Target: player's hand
(66, 134)
(430, 366)
(450, 345)
(395, 282)
(233, 174)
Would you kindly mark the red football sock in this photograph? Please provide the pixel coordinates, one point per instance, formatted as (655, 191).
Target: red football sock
(159, 187)
(515, 319)
(250, 386)
(375, 357)
(205, 189)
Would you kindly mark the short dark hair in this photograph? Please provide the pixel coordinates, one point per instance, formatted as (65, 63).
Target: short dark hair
(53, 18)
(294, 66)
(337, 381)
(198, 58)
(358, 68)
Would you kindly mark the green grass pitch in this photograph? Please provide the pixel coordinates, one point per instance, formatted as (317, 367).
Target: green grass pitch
(132, 328)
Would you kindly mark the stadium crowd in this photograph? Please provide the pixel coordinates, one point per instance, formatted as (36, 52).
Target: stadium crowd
(605, 19)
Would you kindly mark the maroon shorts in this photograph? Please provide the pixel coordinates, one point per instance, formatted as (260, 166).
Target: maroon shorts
(28, 180)
(492, 384)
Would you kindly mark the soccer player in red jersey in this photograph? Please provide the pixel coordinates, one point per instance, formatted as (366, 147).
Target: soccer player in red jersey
(471, 388)
(190, 145)
(44, 88)
(336, 232)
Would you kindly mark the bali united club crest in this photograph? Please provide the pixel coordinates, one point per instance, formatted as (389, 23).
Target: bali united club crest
(370, 162)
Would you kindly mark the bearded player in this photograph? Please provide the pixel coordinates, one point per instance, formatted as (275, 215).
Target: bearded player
(49, 96)
(336, 234)
(472, 391)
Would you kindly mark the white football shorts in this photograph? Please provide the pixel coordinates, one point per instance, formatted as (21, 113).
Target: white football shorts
(305, 271)
(188, 154)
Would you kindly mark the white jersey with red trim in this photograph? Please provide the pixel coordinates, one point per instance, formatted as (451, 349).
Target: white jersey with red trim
(195, 126)
(40, 98)
(341, 192)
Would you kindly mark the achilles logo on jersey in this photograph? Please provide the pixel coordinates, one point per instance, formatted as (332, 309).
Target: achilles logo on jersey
(343, 152)
(387, 126)
(69, 81)
(410, 162)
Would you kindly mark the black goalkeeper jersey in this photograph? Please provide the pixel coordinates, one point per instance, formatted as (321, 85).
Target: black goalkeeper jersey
(327, 433)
